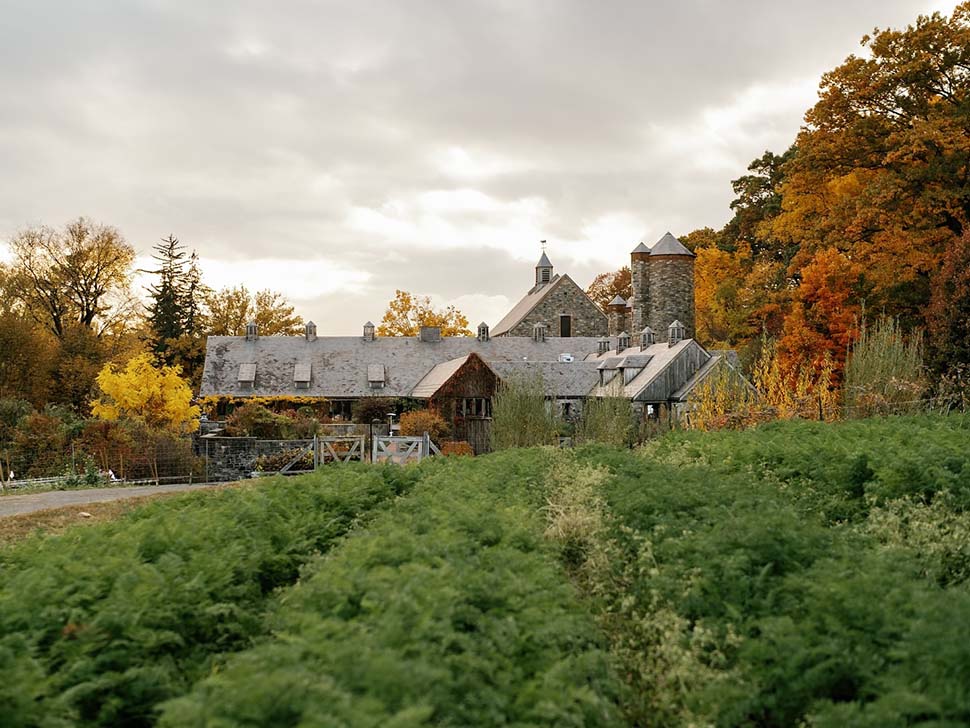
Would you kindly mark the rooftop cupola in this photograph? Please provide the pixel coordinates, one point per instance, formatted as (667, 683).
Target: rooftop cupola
(369, 331)
(647, 338)
(603, 345)
(623, 341)
(252, 333)
(675, 333)
(483, 332)
(310, 331)
(543, 270)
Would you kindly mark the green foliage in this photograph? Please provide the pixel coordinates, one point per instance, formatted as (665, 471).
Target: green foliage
(608, 420)
(521, 417)
(796, 574)
(98, 626)
(447, 611)
(368, 409)
(884, 372)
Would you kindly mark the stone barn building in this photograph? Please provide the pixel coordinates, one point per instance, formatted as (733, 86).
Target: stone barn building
(555, 331)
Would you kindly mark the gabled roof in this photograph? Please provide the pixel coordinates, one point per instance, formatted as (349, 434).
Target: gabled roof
(560, 379)
(524, 307)
(661, 356)
(436, 378)
(669, 245)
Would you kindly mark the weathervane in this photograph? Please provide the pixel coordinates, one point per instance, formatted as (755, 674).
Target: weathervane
(543, 243)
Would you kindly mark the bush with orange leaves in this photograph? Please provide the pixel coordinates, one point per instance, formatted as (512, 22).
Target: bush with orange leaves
(418, 422)
(456, 447)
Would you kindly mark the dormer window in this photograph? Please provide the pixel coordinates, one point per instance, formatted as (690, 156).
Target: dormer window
(376, 376)
(247, 374)
(301, 375)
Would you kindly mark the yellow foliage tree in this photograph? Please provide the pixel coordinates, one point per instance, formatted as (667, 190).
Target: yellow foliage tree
(157, 395)
(407, 313)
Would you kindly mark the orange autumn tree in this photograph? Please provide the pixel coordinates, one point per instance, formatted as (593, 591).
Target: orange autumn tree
(407, 313)
(824, 316)
(607, 286)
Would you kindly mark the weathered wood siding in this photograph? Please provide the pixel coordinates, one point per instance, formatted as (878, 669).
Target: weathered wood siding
(675, 376)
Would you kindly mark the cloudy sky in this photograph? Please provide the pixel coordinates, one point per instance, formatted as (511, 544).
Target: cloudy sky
(335, 151)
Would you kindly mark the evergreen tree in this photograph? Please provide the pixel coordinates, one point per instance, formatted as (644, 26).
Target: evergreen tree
(165, 315)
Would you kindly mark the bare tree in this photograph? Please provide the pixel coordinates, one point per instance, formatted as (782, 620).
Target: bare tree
(78, 275)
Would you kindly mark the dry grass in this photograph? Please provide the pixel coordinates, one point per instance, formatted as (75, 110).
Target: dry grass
(57, 520)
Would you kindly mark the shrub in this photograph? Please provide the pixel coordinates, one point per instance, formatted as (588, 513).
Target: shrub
(521, 417)
(255, 420)
(456, 447)
(417, 422)
(884, 373)
(368, 409)
(609, 420)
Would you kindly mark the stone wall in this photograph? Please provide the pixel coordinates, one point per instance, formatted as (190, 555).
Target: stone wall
(672, 293)
(565, 298)
(640, 278)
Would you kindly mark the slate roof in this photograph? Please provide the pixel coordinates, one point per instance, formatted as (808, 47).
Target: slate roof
(524, 307)
(669, 245)
(339, 364)
(568, 380)
(661, 356)
(544, 261)
(641, 248)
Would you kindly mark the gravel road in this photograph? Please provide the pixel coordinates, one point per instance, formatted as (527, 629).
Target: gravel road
(12, 505)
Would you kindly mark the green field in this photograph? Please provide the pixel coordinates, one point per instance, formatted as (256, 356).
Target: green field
(798, 574)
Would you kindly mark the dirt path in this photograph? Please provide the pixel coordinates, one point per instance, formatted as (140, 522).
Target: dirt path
(13, 505)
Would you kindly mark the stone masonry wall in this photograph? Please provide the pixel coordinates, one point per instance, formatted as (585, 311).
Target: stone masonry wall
(567, 298)
(640, 278)
(672, 286)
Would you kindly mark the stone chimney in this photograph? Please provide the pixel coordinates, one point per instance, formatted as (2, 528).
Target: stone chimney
(430, 334)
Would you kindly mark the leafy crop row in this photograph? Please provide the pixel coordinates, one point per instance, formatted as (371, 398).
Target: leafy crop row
(766, 578)
(99, 626)
(449, 610)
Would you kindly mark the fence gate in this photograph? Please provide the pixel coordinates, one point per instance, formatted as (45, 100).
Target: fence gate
(339, 449)
(402, 450)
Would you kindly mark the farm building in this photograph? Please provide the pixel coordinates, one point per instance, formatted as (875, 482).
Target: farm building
(592, 355)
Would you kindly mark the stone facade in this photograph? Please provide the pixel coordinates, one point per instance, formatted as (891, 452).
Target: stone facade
(566, 299)
(640, 278)
(672, 282)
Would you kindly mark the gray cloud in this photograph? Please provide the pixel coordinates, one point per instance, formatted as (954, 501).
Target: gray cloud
(424, 145)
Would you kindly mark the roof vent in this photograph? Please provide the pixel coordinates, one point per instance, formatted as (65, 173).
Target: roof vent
(483, 331)
(430, 334)
(647, 338)
(252, 333)
(310, 331)
(566, 358)
(368, 331)
(603, 345)
(623, 342)
(675, 333)
(539, 332)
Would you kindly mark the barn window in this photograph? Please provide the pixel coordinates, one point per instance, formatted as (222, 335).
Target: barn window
(565, 325)
(475, 407)
(567, 409)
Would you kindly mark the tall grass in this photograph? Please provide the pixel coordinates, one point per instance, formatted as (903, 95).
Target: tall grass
(608, 420)
(520, 415)
(884, 373)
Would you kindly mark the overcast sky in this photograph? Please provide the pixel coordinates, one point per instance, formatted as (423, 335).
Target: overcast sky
(335, 151)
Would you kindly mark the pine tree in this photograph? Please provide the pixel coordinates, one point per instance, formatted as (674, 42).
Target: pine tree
(165, 315)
